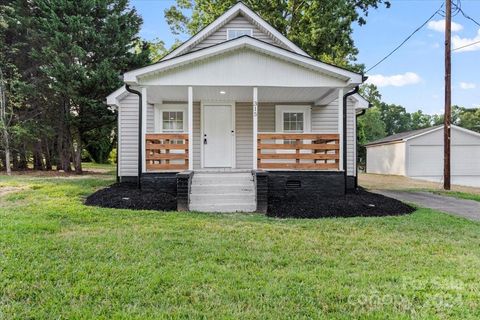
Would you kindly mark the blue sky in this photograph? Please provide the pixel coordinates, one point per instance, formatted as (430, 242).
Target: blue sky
(413, 76)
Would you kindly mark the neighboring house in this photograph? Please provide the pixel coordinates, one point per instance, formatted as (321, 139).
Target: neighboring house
(419, 154)
(244, 109)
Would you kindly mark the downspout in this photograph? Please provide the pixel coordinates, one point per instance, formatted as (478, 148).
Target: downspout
(356, 166)
(139, 94)
(345, 97)
(118, 143)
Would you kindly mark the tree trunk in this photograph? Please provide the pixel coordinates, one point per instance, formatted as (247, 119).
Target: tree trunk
(77, 156)
(23, 163)
(37, 156)
(47, 155)
(15, 160)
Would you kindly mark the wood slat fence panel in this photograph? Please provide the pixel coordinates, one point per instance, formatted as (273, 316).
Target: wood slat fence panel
(166, 151)
(298, 151)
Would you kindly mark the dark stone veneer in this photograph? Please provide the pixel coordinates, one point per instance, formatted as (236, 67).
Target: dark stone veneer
(184, 182)
(174, 183)
(298, 185)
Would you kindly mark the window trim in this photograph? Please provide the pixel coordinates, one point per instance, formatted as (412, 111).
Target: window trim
(158, 116)
(281, 109)
(247, 29)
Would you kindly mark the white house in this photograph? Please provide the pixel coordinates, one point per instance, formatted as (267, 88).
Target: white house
(238, 101)
(419, 154)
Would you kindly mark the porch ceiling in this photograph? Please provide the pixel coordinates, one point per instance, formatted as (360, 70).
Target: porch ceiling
(157, 94)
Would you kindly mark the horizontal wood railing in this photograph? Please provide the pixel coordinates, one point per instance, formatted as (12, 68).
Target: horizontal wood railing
(307, 151)
(166, 151)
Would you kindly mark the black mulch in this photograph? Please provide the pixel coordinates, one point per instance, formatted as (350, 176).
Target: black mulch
(127, 196)
(361, 203)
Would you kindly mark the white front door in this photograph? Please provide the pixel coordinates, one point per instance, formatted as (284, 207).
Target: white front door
(218, 136)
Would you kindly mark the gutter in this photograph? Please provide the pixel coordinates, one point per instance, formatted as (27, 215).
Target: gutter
(345, 97)
(127, 87)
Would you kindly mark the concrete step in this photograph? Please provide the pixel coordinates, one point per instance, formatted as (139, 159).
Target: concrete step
(224, 198)
(239, 207)
(222, 192)
(228, 188)
(207, 181)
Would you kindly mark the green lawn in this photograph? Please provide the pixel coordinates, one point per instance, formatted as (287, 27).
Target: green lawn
(459, 195)
(61, 259)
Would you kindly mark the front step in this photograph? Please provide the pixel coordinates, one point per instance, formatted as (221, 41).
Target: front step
(222, 192)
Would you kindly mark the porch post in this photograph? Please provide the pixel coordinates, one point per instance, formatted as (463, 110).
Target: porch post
(255, 126)
(340, 128)
(190, 128)
(144, 126)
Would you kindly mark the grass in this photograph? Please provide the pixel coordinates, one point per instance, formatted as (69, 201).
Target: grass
(458, 194)
(61, 259)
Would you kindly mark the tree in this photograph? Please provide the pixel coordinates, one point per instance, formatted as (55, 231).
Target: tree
(370, 126)
(322, 28)
(78, 49)
(395, 117)
(420, 120)
(469, 118)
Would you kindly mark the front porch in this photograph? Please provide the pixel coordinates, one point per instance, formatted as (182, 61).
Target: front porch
(216, 128)
(275, 151)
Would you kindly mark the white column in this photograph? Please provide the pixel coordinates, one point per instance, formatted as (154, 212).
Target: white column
(144, 126)
(340, 127)
(190, 128)
(255, 126)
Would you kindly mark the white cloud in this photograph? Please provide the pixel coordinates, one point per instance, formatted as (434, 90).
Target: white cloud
(439, 25)
(458, 42)
(467, 85)
(398, 80)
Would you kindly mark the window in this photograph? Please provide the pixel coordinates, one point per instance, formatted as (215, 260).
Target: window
(293, 122)
(235, 33)
(170, 118)
(292, 118)
(172, 121)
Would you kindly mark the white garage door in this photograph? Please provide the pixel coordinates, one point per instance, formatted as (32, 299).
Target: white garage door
(428, 161)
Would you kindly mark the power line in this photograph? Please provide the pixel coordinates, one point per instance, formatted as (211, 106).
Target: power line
(408, 38)
(467, 45)
(469, 18)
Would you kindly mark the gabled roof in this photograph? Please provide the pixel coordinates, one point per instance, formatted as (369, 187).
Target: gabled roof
(404, 136)
(360, 102)
(350, 77)
(408, 135)
(117, 95)
(231, 13)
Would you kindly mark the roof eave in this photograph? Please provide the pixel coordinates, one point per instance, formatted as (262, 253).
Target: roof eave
(351, 78)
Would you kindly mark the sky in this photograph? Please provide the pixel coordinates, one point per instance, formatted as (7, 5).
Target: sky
(414, 75)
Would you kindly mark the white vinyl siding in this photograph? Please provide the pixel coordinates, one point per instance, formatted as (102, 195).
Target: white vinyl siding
(128, 135)
(244, 135)
(150, 118)
(239, 22)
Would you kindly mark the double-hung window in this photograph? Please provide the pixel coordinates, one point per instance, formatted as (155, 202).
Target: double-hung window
(172, 121)
(171, 118)
(292, 119)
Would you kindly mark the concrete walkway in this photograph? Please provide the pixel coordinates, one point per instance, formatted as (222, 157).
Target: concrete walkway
(465, 208)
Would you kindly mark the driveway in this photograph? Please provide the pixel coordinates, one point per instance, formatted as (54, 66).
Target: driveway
(464, 208)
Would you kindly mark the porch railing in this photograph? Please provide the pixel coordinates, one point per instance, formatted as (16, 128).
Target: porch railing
(307, 151)
(166, 151)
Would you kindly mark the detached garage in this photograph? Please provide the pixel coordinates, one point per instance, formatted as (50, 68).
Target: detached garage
(419, 154)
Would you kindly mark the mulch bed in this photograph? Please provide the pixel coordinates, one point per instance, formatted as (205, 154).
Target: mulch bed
(361, 203)
(127, 196)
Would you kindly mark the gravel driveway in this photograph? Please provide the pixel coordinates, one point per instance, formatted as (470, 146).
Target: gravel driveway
(465, 208)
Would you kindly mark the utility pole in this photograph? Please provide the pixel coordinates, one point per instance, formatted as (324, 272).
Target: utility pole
(448, 96)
